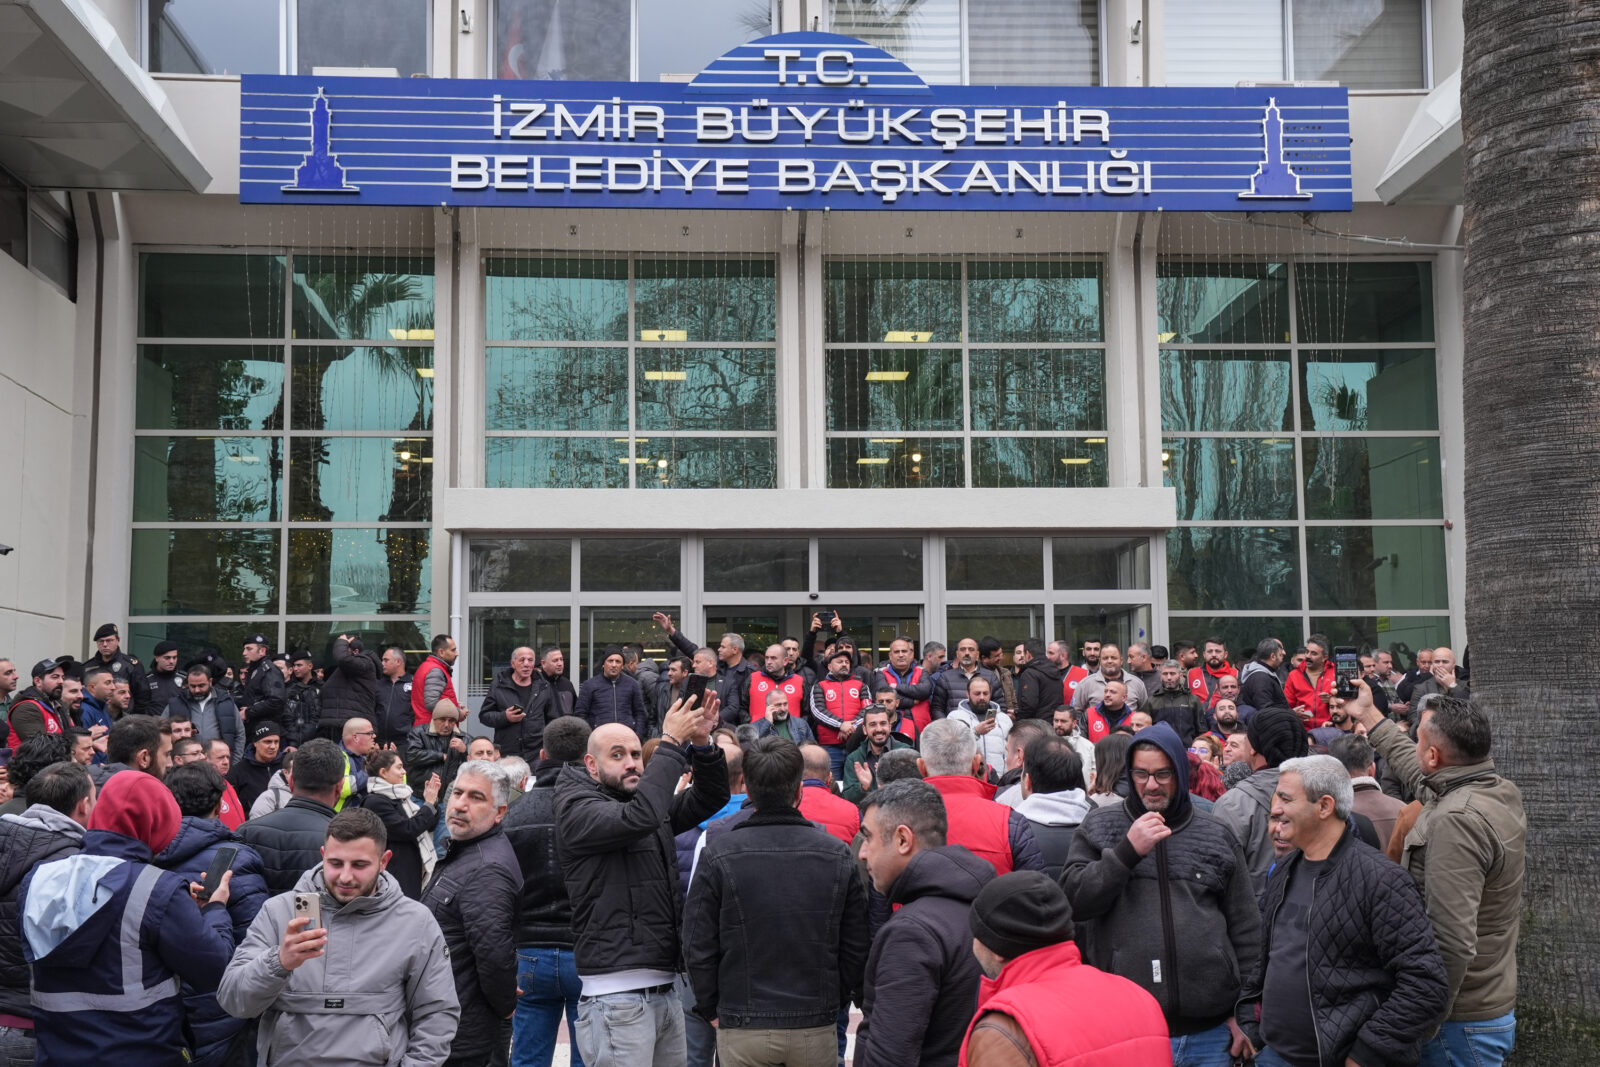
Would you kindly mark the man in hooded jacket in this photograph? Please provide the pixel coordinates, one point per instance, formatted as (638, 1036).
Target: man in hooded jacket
(1164, 899)
(1274, 735)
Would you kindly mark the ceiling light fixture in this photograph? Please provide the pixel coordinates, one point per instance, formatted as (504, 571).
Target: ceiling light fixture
(888, 375)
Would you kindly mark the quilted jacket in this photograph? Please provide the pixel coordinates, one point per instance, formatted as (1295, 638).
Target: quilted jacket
(1378, 986)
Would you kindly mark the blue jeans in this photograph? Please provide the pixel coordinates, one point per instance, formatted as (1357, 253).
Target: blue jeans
(1265, 1057)
(549, 982)
(1478, 1044)
(1208, 1048)
(836, 755)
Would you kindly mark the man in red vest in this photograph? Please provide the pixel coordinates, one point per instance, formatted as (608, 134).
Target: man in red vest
(1203, 680)
(818, 801)
(34, 711)
(1041, 996)
(432, 681)
(837, 703)
(1072, 673)
(775, 676)
(910, 682)
(952, 764)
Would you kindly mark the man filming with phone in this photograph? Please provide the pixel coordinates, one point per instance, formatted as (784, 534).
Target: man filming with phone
(345, 946)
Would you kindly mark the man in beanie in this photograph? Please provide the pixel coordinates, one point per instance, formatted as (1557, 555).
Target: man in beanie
(108, 654)
(108, 935)
(1273, 734)
(1165, 899)
(165, 681)
(1042, 1004)
(612, 695)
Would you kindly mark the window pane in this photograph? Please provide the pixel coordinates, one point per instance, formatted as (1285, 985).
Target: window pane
(705, 300)
(337, 388)
(184, 387)
(207, 479)
(1029, 389)
(1388, 389)
(377, 33)
(1375, 44)
(894, 463)
(757, 564)
(866, 300)
(361, 479)
(375, 634)
(1010, 624)
(1241, 634)
(1033, 42)
(1400, 635)
(496, 631)
(894, 389)
(184, 295)
(994, 562)
(1374, 568)
(1230, 478)
(599, 627)
(1101, 562)
(556, 463)
(520, 564)
(204, 572)
(1121, 623)
(588, 41)
(363, 297)
(1343, 302)
(557, 299)
(347, 572)
(1030, 302)
(706, 463)
(1053, 462)
(705, 388)
(678, 38)
(226, 638)
(847, 564)
(1248, 391)
(1222, 303)
(619, 564)
(923, 34)
(214, 37)
(557, 389)
(1222, 42)
(1212, 568)
(1372, 478)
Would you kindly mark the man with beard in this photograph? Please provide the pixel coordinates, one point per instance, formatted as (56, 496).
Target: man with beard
(34, 711)
(384, 961)
(950, 689)
(615, 823)
(774, 677)
(1225, 720)
(1206, 679)
(860, 766)
(837, 703)
(1092, 688)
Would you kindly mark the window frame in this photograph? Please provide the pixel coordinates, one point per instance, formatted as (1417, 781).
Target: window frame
(288, 43)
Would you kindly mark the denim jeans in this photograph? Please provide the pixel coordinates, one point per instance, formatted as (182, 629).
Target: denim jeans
(700, 1037)
(1477, 1044)
(631, 1029)
(836, 755)
(16, 1047)
(549, 982)
(1208, 1048)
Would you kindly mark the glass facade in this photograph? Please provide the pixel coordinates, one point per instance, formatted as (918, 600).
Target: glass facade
(1301, 433)
(286, 36)
(943, 373)
(619, 40)
(1379, 44)
(981, 42)
(283, 449)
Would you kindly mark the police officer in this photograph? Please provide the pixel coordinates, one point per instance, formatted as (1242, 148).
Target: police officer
(261, 689)
(165, 682)
(108, 654)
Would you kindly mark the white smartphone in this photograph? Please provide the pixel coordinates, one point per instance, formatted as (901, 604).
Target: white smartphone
(309, 906)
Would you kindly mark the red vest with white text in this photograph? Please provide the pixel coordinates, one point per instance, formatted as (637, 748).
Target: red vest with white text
(915, 718)
(762, 683)
(1069, 683)
(52, 725)
(846, 701)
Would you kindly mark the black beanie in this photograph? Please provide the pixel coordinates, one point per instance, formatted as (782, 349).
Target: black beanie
(1019, 912)
(1277, 734)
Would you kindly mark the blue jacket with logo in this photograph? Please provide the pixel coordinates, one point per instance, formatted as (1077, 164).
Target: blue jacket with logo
(109, 937)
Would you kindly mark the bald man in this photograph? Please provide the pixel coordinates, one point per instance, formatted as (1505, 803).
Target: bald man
(615, 821)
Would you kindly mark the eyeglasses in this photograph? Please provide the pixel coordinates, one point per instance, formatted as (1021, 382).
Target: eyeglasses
(1162, 777)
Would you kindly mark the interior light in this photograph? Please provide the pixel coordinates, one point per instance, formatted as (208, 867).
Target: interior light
(1094, 440)
(256, 459)
(908, 337)
(870, 461)
(916, 457)
(661, 463)
(624, 440)
(1166, 338)
(663, 335)
(1276, 441)
(666, 375)
(424, 372)
(404, 456)
(425, 459)
(1165, 456)
(888, 375)
(887, 440)
(638, 459)
(411, 335)
(1075, 461)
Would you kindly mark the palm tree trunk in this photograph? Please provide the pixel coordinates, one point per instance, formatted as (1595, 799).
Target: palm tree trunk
(1530, 95)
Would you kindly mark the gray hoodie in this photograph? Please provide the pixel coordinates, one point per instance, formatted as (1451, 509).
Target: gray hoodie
(380, 995)
(1245, 811)
(1055, 818)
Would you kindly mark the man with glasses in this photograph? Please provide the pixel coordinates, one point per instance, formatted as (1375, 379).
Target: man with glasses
(1163, 896)
(358, 738)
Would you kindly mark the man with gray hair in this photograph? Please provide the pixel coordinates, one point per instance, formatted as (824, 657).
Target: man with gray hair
(473, 896)
(952, 764)
(1349, 969)
(1355, 752)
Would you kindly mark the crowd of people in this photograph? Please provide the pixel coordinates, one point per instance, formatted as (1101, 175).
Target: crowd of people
(1086, 855)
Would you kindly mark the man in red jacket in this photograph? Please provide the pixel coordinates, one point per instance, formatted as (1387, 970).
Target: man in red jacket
(818, 801)
(952, 764)
(1309, 685)
(1040, 1005)
(1204, 679)
(432, 681)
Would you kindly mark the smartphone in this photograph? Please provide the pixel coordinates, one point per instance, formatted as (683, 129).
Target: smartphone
(221, 863)
(309, 906)
(696, 687)
(826, 618)
(1346, 669)
(990, 714)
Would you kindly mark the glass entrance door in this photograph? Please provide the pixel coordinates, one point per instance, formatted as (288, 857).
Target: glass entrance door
(872, 625)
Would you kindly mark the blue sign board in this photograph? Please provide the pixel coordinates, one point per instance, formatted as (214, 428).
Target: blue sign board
(796, 120)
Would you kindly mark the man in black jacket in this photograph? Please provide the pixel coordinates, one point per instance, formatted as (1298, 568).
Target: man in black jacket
(473, 896)
(910, 1018)
(776, 998)
(517, 705)
(547, 977)
(615, 822)
(1162, 895)
(351, 689)
(1259, 684)
(289, 840)
(59, 799)
(1039, 683)
(1349, 969)
(391, 703)
(261, 688)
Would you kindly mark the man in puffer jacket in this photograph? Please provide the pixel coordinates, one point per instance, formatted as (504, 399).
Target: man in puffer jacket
(612, 696)
(197, 787)
(1162, 896)
(351, 691)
